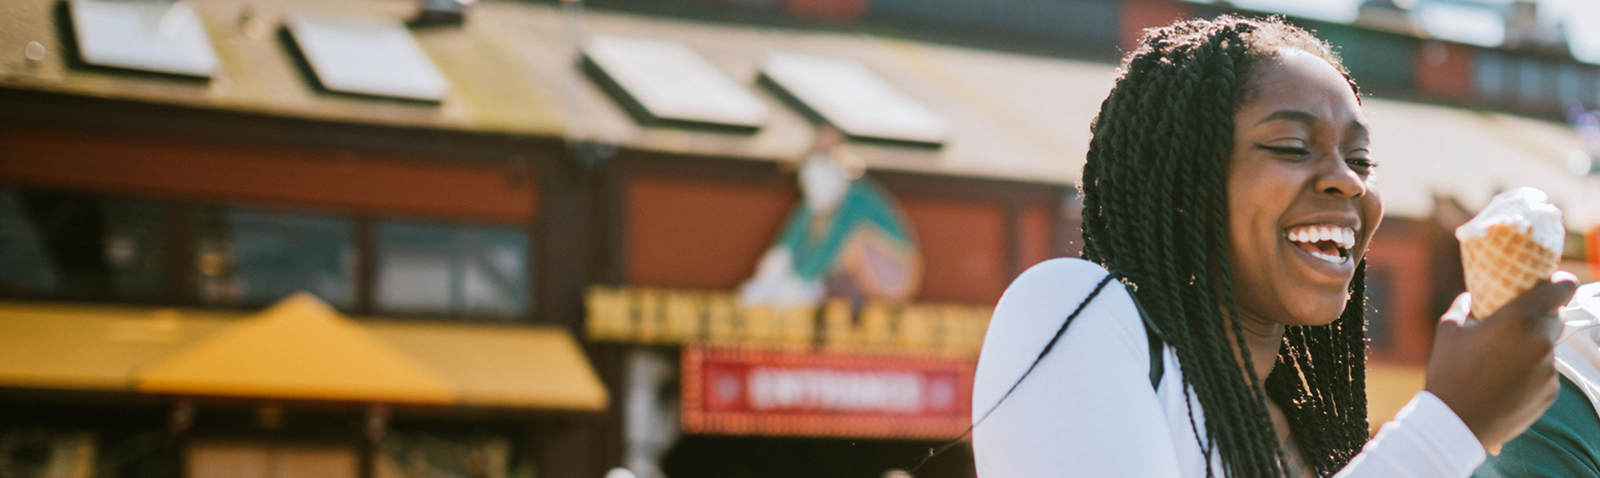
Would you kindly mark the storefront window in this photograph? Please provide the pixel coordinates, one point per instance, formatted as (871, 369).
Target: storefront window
(64, 245)
(1490, 76)
(253, 258)
(59, 244)
(451, 270)
(1530, 78)
(135, 248)
(411, 454)
(1569, 83)
(245, 458)
(25, 268)
(1594, 86)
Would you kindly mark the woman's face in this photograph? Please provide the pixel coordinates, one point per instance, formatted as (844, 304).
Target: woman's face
(1302, 197)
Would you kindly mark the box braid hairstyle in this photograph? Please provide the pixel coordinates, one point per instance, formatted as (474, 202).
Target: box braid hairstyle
(1155, 215)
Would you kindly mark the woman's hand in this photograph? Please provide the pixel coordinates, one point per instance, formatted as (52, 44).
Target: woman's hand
(1497, 373)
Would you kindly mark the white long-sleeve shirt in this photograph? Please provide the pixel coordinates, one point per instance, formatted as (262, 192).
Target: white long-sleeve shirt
(1088, 409)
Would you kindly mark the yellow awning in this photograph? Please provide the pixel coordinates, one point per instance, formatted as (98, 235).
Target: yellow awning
(298, 349)
(522, 367)
(95, 348)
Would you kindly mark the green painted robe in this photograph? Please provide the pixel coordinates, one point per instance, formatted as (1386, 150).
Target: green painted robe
(864, 250)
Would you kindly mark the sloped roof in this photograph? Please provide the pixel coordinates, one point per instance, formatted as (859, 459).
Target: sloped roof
(1014, 116)
(1425, 151)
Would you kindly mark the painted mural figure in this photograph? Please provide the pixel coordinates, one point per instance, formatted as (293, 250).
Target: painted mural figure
(848, 238)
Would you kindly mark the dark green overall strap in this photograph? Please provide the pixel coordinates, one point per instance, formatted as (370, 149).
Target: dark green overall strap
(1153, 336)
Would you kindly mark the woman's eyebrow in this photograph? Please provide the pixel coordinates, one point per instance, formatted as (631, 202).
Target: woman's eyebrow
(1290, 115)
(1357, 127)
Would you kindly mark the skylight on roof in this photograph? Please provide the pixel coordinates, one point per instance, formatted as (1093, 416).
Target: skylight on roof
(853, 98)
(1335, 11)
(664, 81)
(366, 55)
(163, 37)
(1475, 25)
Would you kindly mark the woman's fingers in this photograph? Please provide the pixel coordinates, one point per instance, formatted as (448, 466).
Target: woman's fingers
(1497, 373)
(1536, 308)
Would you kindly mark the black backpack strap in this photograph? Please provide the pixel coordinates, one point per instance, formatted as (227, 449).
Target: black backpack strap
(1153, 336)
(1047, 347)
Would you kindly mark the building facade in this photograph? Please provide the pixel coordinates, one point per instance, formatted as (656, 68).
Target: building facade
(527, 240)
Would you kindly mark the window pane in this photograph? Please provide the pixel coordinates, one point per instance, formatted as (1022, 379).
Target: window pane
(135, 248)
(1530, 76)
(1594, 86)
(25, 268)
(253, 258)
(81, 246)
(1569, 83)
(1490, 74)
(452, 270)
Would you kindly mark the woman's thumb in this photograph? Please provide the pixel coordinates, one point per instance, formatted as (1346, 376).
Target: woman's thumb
(1459, 310)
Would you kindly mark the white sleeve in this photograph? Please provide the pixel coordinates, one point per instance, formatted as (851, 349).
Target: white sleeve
(1088, 409)
(1426, 439)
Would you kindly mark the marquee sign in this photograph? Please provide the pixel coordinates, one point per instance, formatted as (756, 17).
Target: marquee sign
(670, 317)
(744, 391)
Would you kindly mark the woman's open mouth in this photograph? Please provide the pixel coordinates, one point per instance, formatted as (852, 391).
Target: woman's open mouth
(1325, 242)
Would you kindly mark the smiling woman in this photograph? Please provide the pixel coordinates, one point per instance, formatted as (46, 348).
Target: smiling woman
(1229, 188)
(1301, 202)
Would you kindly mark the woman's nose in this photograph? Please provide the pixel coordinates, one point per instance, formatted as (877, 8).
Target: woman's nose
(1340, 180)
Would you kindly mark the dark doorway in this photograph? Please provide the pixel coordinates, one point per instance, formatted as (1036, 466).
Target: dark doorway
(752, 457)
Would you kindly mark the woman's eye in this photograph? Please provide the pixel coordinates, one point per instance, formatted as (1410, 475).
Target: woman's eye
(1361, 165)
(1294, 151)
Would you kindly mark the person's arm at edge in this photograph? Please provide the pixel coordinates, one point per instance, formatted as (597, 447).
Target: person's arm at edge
(1554, 447)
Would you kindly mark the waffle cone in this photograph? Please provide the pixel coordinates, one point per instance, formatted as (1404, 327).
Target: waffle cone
(1503, 264)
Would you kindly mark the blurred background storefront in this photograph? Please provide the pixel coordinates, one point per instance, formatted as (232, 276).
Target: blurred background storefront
(523, 230)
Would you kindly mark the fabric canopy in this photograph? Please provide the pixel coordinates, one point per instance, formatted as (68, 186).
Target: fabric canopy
(297, 349)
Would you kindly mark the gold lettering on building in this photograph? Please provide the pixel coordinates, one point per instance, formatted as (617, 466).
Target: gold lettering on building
(658, 316)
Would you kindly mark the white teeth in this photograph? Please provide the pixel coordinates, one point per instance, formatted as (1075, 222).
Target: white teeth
(1330, 258)
(1345, 237)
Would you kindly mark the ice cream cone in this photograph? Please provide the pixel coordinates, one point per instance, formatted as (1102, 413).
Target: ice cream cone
(1503, 264)
(1510, 246)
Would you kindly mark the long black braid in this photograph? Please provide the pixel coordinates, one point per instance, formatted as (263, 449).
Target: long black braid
(1155, 214)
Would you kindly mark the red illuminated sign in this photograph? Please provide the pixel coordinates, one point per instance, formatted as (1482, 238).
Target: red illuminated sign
(745, 391)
